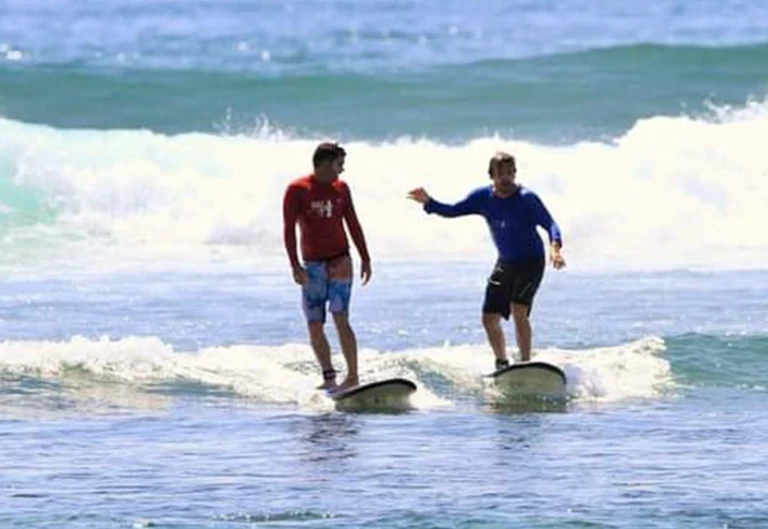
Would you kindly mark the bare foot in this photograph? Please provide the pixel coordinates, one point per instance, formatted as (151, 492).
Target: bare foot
(349, 382)
(328, 385)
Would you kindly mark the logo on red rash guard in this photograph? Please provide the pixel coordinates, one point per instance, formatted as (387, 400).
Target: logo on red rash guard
(322, 208)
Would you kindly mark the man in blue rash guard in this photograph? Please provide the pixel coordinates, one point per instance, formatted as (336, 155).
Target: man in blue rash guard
(512, 212)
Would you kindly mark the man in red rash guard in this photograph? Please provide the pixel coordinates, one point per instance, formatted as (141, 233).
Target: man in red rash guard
(319, 203)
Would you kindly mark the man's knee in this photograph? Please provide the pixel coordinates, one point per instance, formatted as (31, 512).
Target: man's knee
(520, 312)
(341, 320)
(491, 320)
(316, 328)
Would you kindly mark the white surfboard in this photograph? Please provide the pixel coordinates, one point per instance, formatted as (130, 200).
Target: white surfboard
(392, 394)
(531, 380)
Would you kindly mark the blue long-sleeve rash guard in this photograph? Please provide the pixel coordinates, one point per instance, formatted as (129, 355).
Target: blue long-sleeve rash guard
(512, 220)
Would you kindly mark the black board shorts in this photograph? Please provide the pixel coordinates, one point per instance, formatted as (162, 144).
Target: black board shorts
(513, 282)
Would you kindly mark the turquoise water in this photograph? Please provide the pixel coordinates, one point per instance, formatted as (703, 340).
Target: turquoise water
(379, 70)
(154, 369)
(139, 400)
(558, 98)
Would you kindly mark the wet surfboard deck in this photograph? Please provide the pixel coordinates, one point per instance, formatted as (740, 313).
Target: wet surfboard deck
(531, 380)
(390, 394)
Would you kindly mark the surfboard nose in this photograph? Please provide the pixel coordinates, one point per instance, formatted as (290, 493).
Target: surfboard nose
(384, 395)
(531, 380)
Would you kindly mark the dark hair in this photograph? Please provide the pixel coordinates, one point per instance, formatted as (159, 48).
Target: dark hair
(500, 158)
(327, 152)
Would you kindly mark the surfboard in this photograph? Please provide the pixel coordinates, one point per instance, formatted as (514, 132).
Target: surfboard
(391, 394)
(531, 380)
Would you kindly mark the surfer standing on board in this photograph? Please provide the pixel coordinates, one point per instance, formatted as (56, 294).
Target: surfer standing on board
(512, 212)
(319, 203)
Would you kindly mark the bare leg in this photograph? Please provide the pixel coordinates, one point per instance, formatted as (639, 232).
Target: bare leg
(322, 350)
(348, 348)
(522, 330)
(492, 324)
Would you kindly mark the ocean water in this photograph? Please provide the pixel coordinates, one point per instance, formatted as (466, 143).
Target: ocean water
(154, 367)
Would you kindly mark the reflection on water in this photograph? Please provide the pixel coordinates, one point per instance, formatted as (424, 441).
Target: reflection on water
(517, 433)
(512, 406)
(328, 437)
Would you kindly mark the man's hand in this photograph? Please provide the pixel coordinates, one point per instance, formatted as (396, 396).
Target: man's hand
(556, 258)
(300, 275)
(419, 194)
(365, 272)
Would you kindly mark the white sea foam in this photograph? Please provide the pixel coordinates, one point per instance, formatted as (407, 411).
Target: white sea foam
(672, 191)
(286, 375)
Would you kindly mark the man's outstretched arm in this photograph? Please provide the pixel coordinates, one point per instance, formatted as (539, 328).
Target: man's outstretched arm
(468, 206)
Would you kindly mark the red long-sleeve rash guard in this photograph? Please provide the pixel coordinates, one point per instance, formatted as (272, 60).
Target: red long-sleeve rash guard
(319, 209)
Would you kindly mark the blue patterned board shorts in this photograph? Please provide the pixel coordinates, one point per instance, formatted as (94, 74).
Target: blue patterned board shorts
(330, 284)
